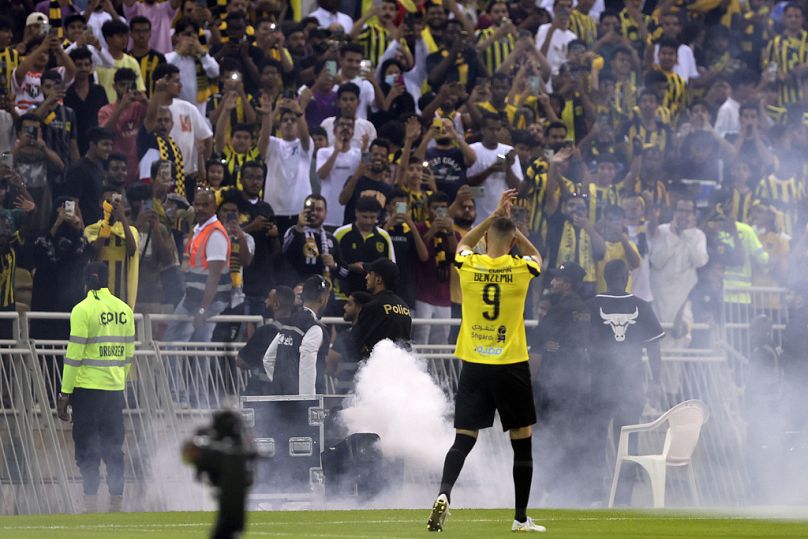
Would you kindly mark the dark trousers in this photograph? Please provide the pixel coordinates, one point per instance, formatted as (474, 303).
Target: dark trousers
(98, 434)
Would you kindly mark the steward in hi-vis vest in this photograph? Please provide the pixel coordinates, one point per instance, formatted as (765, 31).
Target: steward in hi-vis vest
(99, 356)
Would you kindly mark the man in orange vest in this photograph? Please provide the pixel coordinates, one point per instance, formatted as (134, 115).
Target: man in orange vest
(207, 286)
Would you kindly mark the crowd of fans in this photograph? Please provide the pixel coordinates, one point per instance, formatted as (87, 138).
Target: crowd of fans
(672, 135)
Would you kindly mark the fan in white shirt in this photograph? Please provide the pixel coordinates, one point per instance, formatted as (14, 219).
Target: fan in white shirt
(190, 126)
(552, 38)
(328, 15)
(288, 158)
(335, 165)
(496, 169)
(347, 102)
(370, 94)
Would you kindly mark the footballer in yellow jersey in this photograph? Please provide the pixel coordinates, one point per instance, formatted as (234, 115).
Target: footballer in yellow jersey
(495, 376)
(494, 292)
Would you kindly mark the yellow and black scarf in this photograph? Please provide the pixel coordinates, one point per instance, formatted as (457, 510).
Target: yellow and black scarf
(55, 16)
(575, 246)
(169, 151)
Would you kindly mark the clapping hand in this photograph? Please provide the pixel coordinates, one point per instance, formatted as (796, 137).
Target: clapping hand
(506, 201)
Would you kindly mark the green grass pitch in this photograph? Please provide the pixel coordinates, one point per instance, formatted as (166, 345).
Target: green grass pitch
(402, 523)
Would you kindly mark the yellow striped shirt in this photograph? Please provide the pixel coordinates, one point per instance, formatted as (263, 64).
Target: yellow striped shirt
(496, 53)
(785, 195)
(787, 53)
(374, 39)
(583, 26)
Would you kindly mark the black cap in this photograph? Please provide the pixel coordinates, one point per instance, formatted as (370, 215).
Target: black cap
(386, 269)
(569, 271)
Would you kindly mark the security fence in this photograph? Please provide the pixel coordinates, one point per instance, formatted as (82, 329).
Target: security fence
(174, 386)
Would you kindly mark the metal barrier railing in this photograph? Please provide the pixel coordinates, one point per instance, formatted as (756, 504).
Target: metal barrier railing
(174, 386)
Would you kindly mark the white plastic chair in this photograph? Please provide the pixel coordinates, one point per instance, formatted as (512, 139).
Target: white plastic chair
(684, 427)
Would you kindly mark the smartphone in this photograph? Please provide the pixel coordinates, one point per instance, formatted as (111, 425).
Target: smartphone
(365, 66)
(232, 217)
(235, 76)
(46, 28)
(117, 197)
(549, 153)
(401, 208)
(148, 205)
(501, 158)
(7, 160)
(70, 207)
(366, 157)
(441, 212)
(477, 191)
(308, 206)
(331, 67)
(534, 83)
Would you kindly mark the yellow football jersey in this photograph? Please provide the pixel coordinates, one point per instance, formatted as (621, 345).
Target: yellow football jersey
(494, 292)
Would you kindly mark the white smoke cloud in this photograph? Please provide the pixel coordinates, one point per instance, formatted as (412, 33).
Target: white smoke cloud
(400, 401)
(397, 399)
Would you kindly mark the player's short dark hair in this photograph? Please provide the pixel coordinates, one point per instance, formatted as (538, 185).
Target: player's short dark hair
(615, 274)
(314, 287)
(229, 64)
(503, 226)
(654, 77)
(6, 24)
(184, 23)
(398, 193)
(108, 188)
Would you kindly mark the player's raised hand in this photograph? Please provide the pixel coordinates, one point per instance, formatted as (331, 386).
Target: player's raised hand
(506, 201)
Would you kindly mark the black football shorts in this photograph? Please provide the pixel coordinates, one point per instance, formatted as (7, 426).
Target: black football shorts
(484, 389)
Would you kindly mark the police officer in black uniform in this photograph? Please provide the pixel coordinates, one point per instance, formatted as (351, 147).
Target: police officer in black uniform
(387, 316)
(562, 384)
(295, 360)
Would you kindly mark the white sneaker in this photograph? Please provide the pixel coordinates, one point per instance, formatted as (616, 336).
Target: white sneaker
(527, 526)
(439, 511)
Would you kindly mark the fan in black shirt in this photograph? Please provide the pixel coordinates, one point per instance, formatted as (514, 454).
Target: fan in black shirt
(367, 180)
(621, 326)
